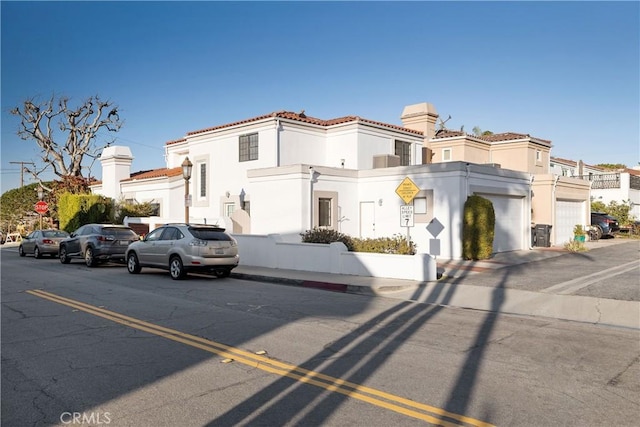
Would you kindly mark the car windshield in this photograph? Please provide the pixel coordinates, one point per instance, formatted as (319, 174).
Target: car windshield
(209, 234)
(55, 233)
(120, 233)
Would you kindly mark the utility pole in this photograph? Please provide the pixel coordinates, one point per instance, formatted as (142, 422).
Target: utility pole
(22, 170)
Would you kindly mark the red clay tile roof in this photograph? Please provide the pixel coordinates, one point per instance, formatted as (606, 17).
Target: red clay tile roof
(301, 117)
(176, 141)
(155, 173)
(565, 161)
(446, 133)
(496, 137)
(508, 136)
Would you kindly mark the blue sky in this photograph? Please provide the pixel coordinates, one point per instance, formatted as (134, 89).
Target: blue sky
(563, 71)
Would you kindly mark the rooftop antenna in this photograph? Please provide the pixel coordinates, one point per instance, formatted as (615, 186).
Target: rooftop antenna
(442, 123)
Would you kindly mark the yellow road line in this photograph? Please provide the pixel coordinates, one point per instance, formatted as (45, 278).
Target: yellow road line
(356, 391)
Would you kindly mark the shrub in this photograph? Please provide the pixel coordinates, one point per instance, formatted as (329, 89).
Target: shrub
(75, 210)
(327, 235)
(575, 246)
(478, 227)
(397, 244)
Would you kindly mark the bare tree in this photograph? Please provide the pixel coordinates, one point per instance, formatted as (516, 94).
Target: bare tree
(78, 127)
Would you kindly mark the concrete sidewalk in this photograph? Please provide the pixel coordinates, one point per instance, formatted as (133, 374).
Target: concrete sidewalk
(443, 292)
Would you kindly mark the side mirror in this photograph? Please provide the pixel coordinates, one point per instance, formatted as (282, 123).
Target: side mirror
(72, 235)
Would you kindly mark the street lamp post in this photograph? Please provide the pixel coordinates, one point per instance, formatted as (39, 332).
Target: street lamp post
(186, 174)
(40, 196)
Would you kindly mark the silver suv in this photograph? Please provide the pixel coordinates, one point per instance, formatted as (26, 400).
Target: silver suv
(97, 242)
(181, 248)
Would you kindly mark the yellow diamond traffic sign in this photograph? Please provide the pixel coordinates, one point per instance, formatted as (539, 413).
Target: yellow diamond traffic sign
(407, 190)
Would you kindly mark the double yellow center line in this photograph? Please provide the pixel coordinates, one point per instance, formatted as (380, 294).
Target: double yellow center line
(428, 413)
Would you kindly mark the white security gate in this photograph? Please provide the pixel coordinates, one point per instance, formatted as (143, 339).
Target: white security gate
(510, 222)
(568, 214)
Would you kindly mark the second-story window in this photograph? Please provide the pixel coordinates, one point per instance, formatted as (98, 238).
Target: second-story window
(446, 154)
(248, 147)
(403, 150)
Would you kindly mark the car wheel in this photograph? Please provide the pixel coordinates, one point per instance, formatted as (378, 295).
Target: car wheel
(62, 254)
(21, 251)
(88, 257)
(36, 253)
(133, 266)
(176, 269)
(598, 232)
(222, 273)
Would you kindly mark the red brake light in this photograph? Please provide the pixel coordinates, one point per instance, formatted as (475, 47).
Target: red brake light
(47, 241)
(105, 238)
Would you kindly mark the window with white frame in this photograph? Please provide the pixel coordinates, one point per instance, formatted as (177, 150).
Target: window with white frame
(446, 154)
(538, 156)
(403, 150)
(420, 205)
(248, 147)
(229, 208)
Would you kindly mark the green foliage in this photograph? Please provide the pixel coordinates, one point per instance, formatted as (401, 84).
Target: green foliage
(575, 246)
(578, 230)
(133, 209)
(397, 244)
(326, 235)
(598, 207)
(75, 210)
(17, 203)
(612, 166)
(478, 228)
(618, 210)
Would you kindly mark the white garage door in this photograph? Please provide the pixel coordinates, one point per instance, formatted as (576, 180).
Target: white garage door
(510, 222)
(568, 214)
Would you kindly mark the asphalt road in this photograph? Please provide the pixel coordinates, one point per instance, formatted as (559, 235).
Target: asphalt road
(611, 271)
(111, 348)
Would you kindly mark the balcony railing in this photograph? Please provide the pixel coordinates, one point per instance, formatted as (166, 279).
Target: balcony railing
(602, 181)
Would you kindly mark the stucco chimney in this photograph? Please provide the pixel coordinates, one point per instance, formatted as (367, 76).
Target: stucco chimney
(116, 166)
(421, 117)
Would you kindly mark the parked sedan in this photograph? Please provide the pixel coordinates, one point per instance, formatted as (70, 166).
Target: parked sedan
(42, 242)
(180, 248)
(97, 242)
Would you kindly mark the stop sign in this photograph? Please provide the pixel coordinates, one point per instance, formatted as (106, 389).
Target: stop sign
(41, 207)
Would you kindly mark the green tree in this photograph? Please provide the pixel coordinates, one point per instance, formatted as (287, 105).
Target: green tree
(16, 205)
(612, 166)
(621, 211)
(479, 132)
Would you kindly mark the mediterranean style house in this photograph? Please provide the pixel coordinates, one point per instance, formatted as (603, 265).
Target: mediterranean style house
(620, 186)
(284, 173)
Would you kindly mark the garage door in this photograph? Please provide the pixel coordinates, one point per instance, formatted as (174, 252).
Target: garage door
(510, 222)
(568, 214)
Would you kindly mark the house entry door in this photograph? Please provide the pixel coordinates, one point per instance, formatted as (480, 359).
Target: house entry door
(367, 220)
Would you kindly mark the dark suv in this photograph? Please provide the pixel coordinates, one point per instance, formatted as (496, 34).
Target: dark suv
(97, 242)
(605, 225)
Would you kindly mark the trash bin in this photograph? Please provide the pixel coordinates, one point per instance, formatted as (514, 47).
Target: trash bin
(543, 235)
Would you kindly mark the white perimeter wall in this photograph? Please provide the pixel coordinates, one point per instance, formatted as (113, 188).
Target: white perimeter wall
(272, 252)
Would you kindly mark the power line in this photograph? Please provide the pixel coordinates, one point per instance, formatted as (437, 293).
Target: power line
(22, 168)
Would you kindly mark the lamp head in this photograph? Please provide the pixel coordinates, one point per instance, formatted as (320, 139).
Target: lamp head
(187, 166)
